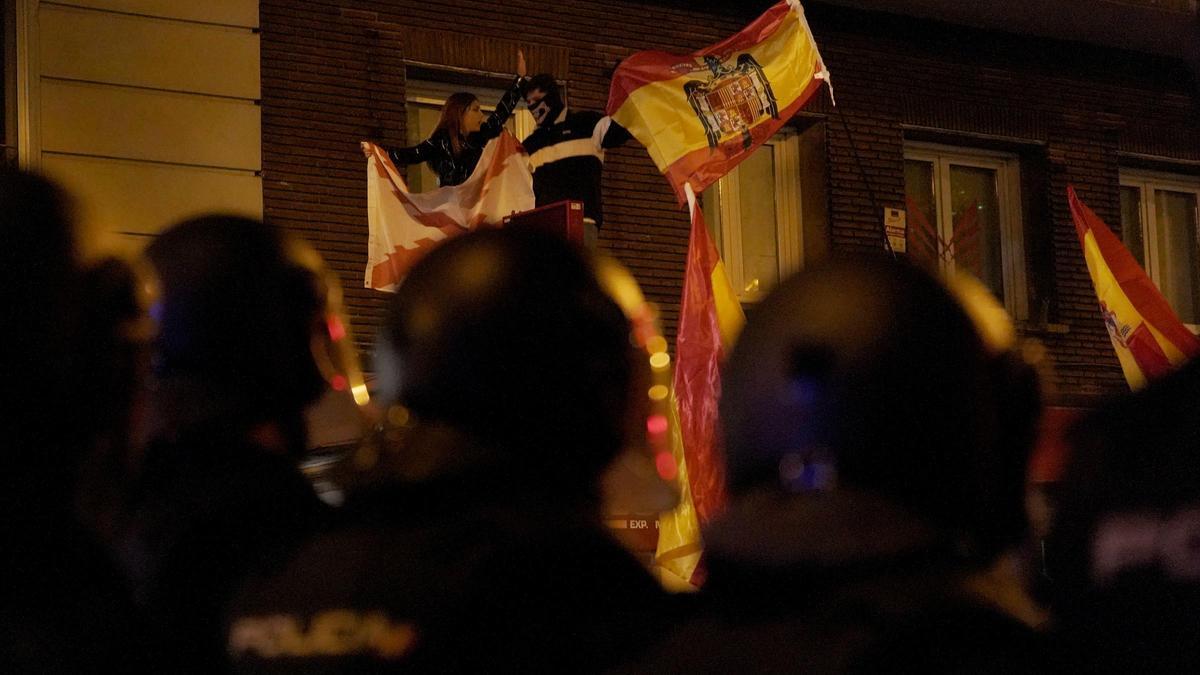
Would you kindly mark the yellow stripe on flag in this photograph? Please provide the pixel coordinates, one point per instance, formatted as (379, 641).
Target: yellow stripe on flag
(730, 317)
(700, 114)
(1109, 291)
(1146, 334)
(788, 58)
(678, 551)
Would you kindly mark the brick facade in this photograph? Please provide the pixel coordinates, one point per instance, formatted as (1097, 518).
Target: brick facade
(333, 72)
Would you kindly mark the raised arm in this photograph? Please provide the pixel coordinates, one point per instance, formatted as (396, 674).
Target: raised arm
(507, 105)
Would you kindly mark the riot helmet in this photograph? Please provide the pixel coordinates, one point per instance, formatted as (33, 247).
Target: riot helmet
(868, 374)
(507, 338)
(248, 317)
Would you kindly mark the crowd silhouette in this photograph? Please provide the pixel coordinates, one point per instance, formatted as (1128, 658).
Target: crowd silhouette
(878, 423)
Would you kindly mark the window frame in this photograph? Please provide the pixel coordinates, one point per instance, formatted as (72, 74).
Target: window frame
(1147, 182)
(432, 92)
(428, 92)
(1007, 166)
(789, 219)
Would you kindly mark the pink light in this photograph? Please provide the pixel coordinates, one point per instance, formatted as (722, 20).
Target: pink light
(337, 331)
(338, 382)
(664, 463)
(656, 424)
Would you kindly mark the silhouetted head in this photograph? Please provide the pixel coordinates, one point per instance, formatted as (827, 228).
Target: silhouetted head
(237, 316)
(39, 279)
(507, 338)
(869, 374)
(1123, 554)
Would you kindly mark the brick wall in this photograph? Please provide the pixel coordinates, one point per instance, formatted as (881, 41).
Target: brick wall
(333, 72)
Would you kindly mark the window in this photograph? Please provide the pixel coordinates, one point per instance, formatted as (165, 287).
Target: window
(424, 99)
(754, 214)
(1159, 227)
(963, 214)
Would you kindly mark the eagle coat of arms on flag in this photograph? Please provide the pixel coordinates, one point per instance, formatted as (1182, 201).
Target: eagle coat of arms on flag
(732, 100)
(700, 114)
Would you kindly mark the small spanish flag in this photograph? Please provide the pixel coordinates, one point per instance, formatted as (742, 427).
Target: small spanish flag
(1147, 335)
(701, 114)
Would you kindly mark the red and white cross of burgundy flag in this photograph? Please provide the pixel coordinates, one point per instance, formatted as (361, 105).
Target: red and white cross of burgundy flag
(405, 225)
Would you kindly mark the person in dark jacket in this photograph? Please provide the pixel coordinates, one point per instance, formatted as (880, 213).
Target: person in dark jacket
(875, 451)
(64, 605)
(220, 492)
(454, 147)
(470, 540)
(1123, 554)
(566, 151)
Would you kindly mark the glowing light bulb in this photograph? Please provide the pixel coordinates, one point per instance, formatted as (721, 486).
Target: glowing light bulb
(660, 360)
(398, 415)
(658, 392)
(656, 424)
(656, 344)
(338, 382)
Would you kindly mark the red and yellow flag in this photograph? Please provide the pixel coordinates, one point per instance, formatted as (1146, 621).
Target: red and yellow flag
(710, 319)
(701, 114)
(1146, 333)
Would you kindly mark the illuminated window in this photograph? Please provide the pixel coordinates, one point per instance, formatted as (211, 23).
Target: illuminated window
(754, 214)
(963, 214)
(1159, 214)
(424, 100)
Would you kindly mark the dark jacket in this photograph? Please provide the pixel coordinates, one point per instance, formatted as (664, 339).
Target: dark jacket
(438, 152)
(211, 506)
(1121, 557)
(64, 607)
(459, 574)
(567, 158)
(797, 587)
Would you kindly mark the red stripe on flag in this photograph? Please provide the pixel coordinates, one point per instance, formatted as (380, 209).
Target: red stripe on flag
(1138, 287)
(398, 263)
(697, 375)
(649, 67)
(1146, 351)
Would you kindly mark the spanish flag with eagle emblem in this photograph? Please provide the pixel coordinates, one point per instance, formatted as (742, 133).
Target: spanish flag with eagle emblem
(1147, 335)
(700, 114)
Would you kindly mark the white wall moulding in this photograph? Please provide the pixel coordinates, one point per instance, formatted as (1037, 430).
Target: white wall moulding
(224, 12)
(82, 44)
(120, 122)
(164, 193)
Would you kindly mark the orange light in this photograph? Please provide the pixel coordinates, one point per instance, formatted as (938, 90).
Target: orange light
(658, 392)
(338, 382)
(398, 415)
